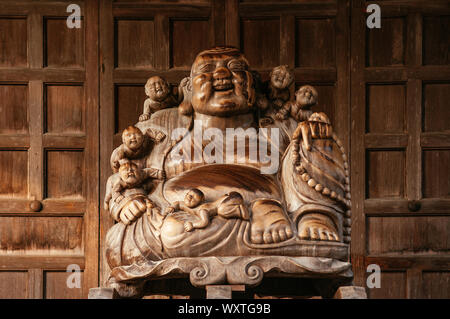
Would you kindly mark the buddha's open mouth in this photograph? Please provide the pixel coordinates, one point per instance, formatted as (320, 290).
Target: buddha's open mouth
(222, 85)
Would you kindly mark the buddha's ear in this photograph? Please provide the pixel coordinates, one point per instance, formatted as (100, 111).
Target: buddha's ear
(185, 106)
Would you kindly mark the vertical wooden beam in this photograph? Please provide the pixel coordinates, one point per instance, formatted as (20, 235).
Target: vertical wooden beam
(107, 119)
(413, 150)
(414, 283)
(35, 105)
(218, 21)
(35, 40)
(91, 235)
(357, 173)
(232, 23)
(35, 152)
(162, 38)
(35, 284)
(287, 40)
(287, 45)
(414, 109)
(342, 113)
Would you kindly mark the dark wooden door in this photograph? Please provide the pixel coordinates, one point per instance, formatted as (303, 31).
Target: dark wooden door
(48, 150)
(400, 148)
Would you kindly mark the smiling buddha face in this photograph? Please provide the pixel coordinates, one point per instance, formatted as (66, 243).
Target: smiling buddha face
(221, 83)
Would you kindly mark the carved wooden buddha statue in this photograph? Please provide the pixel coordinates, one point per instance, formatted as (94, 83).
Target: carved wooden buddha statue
(280, 194)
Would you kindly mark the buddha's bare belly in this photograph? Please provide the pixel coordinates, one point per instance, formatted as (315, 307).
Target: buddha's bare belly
(215, 180)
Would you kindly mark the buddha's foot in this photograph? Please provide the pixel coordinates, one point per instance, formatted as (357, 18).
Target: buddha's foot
(317, 226)
(269, 224)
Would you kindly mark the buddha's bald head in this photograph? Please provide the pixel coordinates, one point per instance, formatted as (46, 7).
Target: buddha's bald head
(221, 83)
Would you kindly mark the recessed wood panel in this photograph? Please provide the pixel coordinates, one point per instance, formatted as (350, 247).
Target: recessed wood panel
(13, 39)
(315, 43)
(385, 174)
(260, 42)
(65, 174)
(135, 43)
(393, 285)
(37, 234)
(436, 173)
(386, 45)
(436, 285)
(436, 114)
(327, 99)
(403, 235)
(64, 47)
(64, 108)
(13, 284)
(129, 105)
(13, 173)
(386, 105)
(188, 38)
(13, 109)
(56, 286)
(436, 40)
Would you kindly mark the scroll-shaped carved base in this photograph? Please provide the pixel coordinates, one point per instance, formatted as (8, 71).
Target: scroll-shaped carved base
(240, 270)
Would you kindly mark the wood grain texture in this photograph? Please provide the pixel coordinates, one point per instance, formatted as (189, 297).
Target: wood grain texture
(44, 234)
(14, 173)
(408, 235)
(260, 41)
(13, 284)
(64, 108)
(14, 109)
(56, 286)
(14, 38)
(315, 42)
(135, 43)
(64, 47)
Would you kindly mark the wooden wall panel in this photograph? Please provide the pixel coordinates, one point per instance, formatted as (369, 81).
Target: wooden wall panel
(436, 42)
(315, 43)
(41, 234)
(49, 144)
(260, 42)
(183, 45)
(386, 108)
(435, 107)
(393, 285)
(13, 173)
(401, 222)
(14, 108)
(64, 47)
(402, 235)
(13, 284)
(386, 46)
(14, 41)
(65, 174)
(56, 286)
(385, 174)
(64, 108)
(129, 105)
(436, 285)
(135, 43)
(436, 173)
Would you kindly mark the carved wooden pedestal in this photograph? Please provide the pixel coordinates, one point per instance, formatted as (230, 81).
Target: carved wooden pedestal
(308, 276)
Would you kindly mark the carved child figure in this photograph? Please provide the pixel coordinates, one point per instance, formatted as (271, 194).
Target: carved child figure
(135, 145)
(130, 176)
(281, 78)
(159, 97)
(300, 110)
(228, 206)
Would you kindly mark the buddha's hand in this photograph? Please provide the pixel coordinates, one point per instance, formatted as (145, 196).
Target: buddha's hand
(133, 210)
